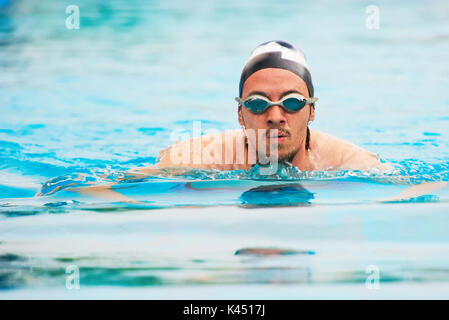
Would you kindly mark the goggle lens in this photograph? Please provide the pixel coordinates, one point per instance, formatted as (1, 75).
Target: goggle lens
(294, 104)
(257, 105)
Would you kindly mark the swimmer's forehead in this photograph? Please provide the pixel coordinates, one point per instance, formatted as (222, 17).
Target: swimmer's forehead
(274, 83)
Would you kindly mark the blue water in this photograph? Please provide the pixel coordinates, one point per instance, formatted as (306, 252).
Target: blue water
(83, 106)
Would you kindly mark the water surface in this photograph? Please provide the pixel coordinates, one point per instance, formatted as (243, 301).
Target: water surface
(80, 105)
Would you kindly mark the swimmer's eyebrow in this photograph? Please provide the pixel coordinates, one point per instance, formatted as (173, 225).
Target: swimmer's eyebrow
(252, 93)
(283, 94)
(291, 91)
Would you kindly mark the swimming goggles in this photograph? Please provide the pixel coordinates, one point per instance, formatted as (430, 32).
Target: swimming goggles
(292, 102)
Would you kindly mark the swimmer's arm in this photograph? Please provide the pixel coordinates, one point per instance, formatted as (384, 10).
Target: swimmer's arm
(417, 190)
(107, 192)
(104, 192)
(356, 158)
(159, 169)
(360, 159)
(367, 162)
(339, 154)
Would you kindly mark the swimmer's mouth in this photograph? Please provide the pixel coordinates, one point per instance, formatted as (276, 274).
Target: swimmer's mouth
(279, 136)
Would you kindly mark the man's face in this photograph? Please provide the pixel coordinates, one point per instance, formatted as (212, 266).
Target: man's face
(292, 127)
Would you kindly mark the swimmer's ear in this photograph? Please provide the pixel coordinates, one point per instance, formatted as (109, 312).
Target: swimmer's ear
(312, 113)
(239, 111)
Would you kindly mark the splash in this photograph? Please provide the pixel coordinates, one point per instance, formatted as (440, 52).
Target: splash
(404, 172)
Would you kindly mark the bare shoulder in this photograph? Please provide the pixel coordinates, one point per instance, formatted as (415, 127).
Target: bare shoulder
(336, 153)
(205, 152)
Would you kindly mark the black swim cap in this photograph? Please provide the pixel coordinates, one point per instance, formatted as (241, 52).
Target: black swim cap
(281, 55)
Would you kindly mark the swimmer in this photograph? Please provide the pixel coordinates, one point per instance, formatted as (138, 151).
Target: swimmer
(275, 92)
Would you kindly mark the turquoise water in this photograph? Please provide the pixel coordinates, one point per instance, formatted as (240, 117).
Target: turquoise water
(83, 106)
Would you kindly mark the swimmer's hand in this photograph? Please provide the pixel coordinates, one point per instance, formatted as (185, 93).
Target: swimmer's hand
(416, 191)
(65, 181)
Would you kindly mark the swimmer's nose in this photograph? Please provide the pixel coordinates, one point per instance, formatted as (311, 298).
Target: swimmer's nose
(276, 116)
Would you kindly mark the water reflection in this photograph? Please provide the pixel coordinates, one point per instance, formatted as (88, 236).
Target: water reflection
(278, 195)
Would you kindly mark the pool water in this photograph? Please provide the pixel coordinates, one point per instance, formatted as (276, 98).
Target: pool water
(81, 107)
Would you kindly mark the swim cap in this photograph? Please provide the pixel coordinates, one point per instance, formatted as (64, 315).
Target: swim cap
(280, 55)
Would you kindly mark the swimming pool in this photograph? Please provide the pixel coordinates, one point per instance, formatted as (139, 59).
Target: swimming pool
(79, 105)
